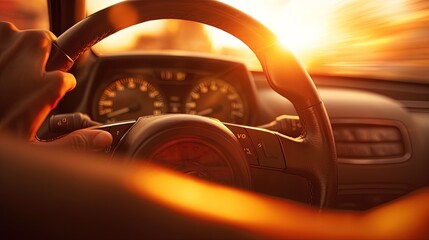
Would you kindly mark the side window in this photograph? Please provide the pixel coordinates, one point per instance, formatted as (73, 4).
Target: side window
(25, 14)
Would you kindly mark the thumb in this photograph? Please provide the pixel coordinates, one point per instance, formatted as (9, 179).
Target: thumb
(83, 140)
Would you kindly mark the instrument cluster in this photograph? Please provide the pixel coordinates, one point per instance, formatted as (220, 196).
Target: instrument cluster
(127, 94)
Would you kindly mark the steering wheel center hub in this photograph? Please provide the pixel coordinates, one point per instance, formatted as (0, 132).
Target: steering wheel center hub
(194, 157)
(194, 145)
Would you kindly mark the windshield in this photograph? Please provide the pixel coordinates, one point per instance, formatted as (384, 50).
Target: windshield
(383, 39)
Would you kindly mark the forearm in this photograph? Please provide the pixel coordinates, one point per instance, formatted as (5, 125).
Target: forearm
(135, 199)
(405, 218)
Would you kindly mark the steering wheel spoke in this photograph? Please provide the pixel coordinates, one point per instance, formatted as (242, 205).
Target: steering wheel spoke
(305, 155)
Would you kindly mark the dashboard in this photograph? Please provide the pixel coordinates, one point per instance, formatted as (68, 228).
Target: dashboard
(155, 85)
(380, 127)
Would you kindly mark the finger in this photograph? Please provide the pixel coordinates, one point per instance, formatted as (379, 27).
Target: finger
(32, 47)
(82, 140)
(7, 27)
(7, 32)
(41, 38)
(35, 48)
(8, 39)
(57, 84)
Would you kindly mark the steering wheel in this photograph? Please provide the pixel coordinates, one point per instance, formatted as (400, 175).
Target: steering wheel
(311, 155)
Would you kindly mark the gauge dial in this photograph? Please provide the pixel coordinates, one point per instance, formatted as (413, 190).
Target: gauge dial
(128, 98)
(194, 157)
(218, 99)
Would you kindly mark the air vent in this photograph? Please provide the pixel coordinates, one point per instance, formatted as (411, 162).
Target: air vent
(370, 142)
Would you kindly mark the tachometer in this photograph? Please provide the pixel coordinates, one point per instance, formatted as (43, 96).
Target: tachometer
(218, 99)
(128, 98)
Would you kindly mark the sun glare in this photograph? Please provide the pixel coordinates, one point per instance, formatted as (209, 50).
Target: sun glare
(93, 6)
(301, 25)
(327, 36)
(294, 21)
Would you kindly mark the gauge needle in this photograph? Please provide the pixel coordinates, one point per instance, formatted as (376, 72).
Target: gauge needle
(210, 110)
(122, 111)
(205, 112)
(118, 112)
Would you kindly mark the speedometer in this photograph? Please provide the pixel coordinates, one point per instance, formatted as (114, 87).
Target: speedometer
(218, 99)
(128, 98)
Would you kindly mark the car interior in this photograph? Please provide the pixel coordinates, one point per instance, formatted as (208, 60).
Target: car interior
(209, 89)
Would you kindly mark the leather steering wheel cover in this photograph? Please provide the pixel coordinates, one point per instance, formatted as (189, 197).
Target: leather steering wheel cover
(283, 71)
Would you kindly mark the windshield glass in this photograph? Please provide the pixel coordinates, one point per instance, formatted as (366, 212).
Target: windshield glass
(25, 14)
(383, 39)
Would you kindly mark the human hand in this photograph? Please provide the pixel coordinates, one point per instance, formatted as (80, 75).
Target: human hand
(82, 140)
(28, 92)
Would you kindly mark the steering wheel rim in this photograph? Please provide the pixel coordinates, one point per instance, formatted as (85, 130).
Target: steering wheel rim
(312, 154)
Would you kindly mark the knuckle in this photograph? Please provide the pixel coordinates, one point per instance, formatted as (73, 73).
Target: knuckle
(59, 80)
(8, 32)
(57, 86)
(56, 81)
(37, 39)
(7, 28)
